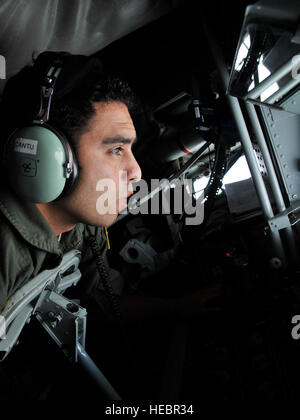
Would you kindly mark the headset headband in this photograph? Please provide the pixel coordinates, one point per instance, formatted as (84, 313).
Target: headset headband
(39, 159)
(47, 90)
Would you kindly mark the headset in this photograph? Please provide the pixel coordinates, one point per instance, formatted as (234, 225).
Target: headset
(40, 162)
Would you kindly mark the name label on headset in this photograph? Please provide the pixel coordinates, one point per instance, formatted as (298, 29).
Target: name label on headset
(26, 146)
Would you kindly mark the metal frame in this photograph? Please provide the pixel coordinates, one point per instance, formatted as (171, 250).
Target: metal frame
(249, 152)
(282, 91)
(284, 219)
(63, 319)
(21, 305)
(273, 78)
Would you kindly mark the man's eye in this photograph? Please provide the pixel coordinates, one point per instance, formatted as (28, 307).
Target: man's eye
(117, 150)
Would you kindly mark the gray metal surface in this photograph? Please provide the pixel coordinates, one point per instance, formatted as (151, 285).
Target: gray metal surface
(89, 366)
(270, 80)
(292, 104)
(64, 321)
(22, 304)
(284, 131)
(269, 168)
(274, 183)
(283, 91)
(286, 219)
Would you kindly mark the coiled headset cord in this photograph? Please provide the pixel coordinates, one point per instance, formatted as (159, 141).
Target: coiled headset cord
(104, 277)
(114, 301)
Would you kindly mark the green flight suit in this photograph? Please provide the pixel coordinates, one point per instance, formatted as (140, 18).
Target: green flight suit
(28, 245)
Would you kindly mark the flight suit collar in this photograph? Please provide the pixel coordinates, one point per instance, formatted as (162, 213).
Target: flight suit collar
(33, 227)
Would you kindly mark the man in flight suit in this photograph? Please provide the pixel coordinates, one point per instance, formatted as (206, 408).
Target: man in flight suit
(93, 111)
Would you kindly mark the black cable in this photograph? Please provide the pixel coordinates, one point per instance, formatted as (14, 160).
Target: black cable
(104, 276)
(215, 181)
(243, 78)
(130, 367)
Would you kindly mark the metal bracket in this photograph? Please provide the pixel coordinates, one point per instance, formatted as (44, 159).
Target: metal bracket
(22, 304)
(285, 219)
(137, 252)
(64, 320)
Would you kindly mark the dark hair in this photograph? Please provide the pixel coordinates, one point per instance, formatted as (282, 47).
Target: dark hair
(72, 103)
(72, 113)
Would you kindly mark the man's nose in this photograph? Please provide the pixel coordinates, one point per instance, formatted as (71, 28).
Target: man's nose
(134, 171)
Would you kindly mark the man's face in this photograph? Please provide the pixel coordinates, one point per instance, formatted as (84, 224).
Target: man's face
(104, 153)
